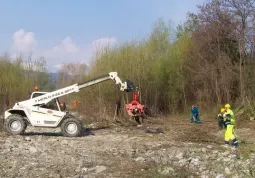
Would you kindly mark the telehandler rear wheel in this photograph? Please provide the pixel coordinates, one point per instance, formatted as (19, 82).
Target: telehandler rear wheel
(15, 124)
(71, 127)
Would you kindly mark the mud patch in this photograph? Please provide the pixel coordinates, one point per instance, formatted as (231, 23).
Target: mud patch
(197, 134)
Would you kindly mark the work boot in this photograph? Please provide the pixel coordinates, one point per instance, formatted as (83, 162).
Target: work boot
(226, 144)
(235, 143)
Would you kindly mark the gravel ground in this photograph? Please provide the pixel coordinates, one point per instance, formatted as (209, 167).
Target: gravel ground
(162, 150)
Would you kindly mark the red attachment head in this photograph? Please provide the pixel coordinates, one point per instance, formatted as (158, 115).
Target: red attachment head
(135, 108)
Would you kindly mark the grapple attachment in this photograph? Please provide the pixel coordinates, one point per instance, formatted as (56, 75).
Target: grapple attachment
(130, 86)
(135, 108)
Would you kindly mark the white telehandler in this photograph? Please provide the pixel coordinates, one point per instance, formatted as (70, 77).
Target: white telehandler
(43, 109)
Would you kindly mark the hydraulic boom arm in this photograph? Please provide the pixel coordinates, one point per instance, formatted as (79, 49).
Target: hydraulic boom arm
(43, 99)
(111, 75)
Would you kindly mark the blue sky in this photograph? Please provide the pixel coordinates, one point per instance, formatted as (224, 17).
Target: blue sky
(67, 31)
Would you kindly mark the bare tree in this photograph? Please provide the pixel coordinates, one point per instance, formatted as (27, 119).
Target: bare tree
(243, 11)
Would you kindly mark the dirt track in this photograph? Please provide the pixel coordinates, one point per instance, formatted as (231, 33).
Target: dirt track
(182, 150)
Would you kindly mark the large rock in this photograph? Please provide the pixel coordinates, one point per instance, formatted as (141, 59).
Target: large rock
(179, 155)
(27, 138)
(140, 160)
(220, 176)
(32, 150)
(100, 169)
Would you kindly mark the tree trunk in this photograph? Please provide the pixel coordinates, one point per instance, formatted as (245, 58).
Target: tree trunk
(242, 62)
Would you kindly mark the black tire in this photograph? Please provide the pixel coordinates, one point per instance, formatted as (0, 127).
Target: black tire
(69, 133)
(15, 124)
(147, 111)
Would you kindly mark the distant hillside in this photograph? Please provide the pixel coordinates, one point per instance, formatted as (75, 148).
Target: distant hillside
(53, 76)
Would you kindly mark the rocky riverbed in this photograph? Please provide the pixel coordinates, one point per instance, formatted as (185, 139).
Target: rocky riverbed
(121, 152)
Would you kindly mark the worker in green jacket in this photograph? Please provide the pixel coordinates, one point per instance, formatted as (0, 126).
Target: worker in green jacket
(221, 118)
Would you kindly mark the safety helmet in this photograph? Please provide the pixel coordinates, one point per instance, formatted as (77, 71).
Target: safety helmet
(227, 106)
(222, 110)
(36, 88)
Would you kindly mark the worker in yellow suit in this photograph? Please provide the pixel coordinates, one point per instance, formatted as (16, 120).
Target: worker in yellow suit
(229, 122)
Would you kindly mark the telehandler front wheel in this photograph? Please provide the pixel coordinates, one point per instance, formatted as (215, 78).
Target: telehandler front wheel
(71, 127)
(15, 124)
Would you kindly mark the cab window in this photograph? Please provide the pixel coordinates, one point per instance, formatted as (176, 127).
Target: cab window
(52, 105)
(37, 94)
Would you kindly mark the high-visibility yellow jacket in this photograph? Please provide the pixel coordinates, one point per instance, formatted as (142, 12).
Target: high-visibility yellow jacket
(229, 115)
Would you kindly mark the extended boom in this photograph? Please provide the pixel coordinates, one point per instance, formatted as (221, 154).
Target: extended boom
(43, 108)
(47, 97)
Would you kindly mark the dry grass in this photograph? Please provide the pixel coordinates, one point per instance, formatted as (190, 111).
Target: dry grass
(197, 134)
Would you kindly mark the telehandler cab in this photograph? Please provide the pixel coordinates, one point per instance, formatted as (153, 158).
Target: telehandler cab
(43, 108)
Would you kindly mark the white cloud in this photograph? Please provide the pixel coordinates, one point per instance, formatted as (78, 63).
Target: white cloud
(65, 52)
(24, 41)
(67, 45)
